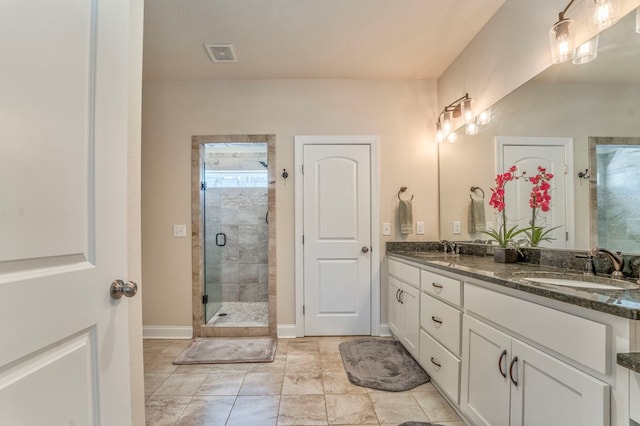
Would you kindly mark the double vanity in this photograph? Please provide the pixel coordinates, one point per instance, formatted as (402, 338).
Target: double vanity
(514, 344)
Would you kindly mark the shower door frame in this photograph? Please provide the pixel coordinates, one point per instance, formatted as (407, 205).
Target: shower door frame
(200, 328)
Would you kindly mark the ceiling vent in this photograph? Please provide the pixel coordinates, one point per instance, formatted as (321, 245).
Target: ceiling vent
(221, 52)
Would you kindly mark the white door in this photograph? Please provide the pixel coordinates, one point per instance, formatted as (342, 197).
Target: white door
(63, 131)
(337, 239)
(549, 392)
(527, 154)
(485, 373)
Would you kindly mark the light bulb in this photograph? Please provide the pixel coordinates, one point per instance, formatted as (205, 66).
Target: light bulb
(439, 133)
(452, 137)
(467, 111)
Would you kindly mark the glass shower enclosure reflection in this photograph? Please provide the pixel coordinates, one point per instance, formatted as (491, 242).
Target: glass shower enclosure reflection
(235, 182)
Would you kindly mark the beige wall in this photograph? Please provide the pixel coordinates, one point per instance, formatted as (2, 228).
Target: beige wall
(398, 111)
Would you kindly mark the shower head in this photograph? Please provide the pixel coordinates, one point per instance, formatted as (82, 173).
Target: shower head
(264, 164)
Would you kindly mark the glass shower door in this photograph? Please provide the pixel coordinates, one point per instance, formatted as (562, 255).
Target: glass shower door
(212, 255)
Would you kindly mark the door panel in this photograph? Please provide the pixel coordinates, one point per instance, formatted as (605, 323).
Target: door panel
(551, 392)
(527, 158)
(64, 80)
(337, 225)
(485, 389)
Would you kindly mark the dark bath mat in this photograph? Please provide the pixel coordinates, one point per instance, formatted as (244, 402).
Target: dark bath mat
(418, 424)
(228, 350)
(381, 364)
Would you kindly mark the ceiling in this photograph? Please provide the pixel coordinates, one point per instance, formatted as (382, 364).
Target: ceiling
(297, 39)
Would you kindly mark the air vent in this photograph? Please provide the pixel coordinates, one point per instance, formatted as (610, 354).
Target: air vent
(221, 52)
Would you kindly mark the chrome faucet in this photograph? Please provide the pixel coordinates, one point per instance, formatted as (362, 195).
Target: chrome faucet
(448, 245)
(616, 259)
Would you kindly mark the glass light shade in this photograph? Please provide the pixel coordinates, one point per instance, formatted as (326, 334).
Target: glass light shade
(471, 128)
(638, 20)
(452, 137)
(602, 13)
(439, 133)
(447, 124)
(562, 41)
(587, 51)
(467, 111)
(484, 118)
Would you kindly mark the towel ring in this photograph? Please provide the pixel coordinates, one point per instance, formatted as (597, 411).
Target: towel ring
(476, 188)
(403, 189)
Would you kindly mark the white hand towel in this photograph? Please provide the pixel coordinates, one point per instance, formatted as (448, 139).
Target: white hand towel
(476, 220)
(405, 212)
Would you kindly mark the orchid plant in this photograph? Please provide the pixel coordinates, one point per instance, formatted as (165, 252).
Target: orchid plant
(504, 235)
(539, 200)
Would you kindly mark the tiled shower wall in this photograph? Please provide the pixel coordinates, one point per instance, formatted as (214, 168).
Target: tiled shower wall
(240, 266)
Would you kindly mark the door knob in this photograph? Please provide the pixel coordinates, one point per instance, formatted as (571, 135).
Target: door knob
(365, 249)
(119, 288)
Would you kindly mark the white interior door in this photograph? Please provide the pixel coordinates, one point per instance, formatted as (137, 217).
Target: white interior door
(63, 114)
(337, 239)
(553, 155)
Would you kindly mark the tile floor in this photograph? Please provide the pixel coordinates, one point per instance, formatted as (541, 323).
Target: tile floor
(305, 385)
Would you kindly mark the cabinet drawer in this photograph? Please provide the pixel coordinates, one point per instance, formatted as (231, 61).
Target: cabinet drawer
(443, 287)
(441, 365)
(407, 273)
(441, 321)
(579, 339)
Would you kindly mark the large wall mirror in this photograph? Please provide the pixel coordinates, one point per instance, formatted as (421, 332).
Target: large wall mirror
(598, 100)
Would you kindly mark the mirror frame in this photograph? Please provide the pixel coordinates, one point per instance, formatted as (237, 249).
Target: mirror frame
(594, 142)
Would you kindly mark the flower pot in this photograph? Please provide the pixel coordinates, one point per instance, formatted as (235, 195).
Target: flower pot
(505, 255)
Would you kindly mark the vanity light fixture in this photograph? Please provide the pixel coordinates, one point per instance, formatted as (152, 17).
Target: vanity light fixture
(461, 107)
(562, 37)
(638, 20)
(587, 51)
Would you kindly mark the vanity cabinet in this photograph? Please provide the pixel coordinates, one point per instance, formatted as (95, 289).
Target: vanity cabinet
(508, 382)
(634, 396)
(404, 305)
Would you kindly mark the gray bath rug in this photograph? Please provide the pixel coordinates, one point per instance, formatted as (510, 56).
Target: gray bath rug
(228, 350)
(418, 424)
(381, 364)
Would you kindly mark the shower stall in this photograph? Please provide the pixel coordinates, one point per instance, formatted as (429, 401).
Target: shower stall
(235, 241)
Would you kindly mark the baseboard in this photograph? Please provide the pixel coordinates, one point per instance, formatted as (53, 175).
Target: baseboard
(167, 332)
(384, 330)
(287, 331)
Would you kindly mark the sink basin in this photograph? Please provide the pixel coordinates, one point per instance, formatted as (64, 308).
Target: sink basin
(575, 280)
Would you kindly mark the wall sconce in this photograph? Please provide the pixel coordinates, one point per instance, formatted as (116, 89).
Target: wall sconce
(461, 107)
(562, 37)
(602, 14)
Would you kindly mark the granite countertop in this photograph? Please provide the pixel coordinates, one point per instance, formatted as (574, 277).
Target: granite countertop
(623, 303)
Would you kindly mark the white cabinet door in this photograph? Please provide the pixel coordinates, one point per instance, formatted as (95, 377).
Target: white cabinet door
(546, 391)
(485, 382)
(410, 301)
(394, 307)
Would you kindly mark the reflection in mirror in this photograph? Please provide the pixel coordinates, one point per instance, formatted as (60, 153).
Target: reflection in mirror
(599, 98)
(615, 193)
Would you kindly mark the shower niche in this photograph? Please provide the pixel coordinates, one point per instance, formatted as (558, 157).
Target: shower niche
(234, 228)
